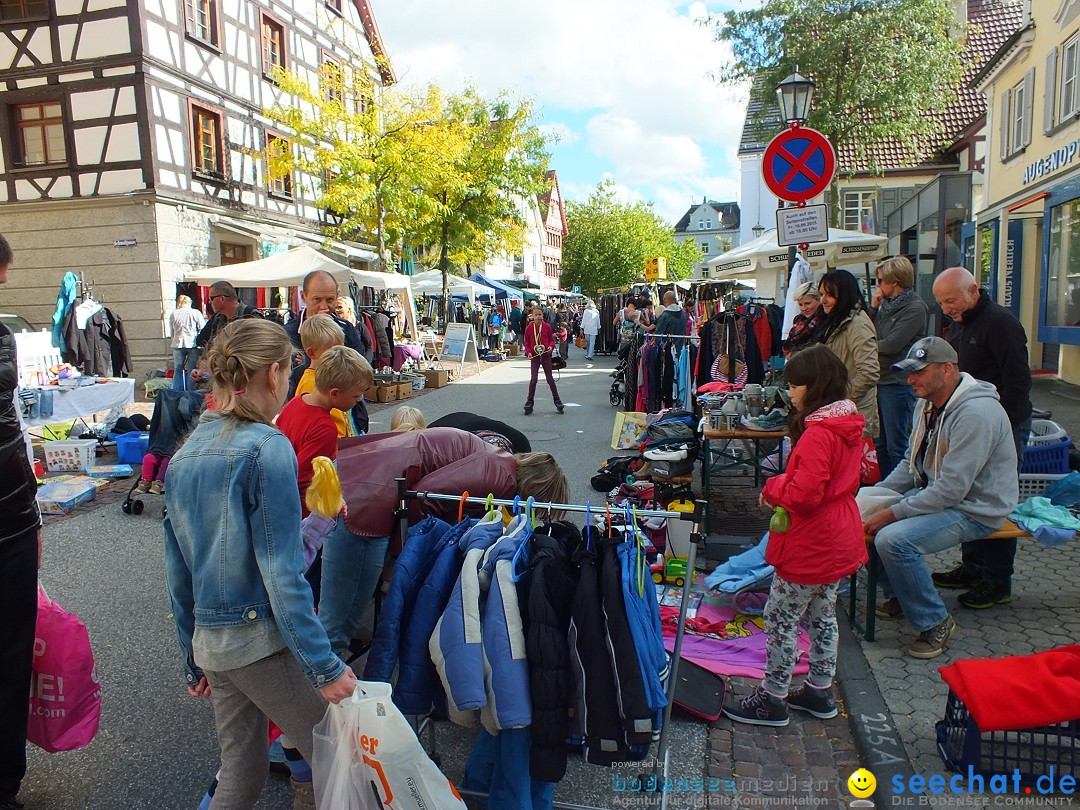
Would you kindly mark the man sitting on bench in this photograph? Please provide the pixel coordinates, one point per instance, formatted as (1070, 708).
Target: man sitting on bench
(957, 482)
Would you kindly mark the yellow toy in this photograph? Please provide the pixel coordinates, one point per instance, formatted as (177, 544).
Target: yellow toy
(323, 498)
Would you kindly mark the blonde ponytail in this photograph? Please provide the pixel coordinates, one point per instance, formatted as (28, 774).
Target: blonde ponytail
(242, 350)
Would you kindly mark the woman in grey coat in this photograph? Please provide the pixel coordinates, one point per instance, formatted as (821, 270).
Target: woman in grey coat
(899, 316)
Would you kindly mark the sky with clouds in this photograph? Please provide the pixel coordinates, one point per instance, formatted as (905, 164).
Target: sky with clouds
(627, 85)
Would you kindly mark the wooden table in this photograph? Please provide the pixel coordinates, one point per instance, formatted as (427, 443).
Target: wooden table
(718, 456)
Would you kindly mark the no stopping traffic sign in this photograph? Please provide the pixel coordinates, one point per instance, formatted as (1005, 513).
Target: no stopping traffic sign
(798, 164)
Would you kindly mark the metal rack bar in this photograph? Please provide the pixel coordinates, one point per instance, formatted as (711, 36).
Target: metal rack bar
(661, 761)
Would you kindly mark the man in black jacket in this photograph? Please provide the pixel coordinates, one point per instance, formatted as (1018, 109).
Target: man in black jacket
(227, 307)
(992, 346)
(20, 556)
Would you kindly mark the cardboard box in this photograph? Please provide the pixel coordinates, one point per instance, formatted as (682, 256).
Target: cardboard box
(436, 377)
(110, 471)
(371, 393)
(386, 393)
(513, 349)
(404, 390)
(63, 497)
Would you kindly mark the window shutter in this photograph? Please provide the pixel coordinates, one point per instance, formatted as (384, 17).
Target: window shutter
(1003, 126)
(1050, 98)
(1029, 105)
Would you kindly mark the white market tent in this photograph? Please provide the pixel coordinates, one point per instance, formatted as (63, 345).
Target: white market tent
(288, 268)
(763, 253)
(430, 283)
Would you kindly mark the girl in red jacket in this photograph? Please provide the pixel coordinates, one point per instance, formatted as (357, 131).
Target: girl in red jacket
(822, 545)
(539, 344)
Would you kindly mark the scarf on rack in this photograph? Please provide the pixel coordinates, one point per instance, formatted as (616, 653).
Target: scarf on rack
(891, 305)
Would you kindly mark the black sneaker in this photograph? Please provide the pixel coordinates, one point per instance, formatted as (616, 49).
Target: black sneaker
(985, 595)
(759, 709)
(560, 407)
(955, 578)
(810, 699)
(931, 643)
(890, 609)
(528, 409)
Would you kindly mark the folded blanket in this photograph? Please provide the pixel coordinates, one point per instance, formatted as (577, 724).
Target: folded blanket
(1037, 512)
(1021, 691)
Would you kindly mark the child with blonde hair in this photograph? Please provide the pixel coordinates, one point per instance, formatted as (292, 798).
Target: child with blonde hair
(319, 333)
(407, 418)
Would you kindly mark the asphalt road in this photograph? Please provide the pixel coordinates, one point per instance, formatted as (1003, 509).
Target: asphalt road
(156, 747)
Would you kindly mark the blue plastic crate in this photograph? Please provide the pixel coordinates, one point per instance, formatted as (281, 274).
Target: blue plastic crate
(131, 447)
(1047, 459)
(1031, 751)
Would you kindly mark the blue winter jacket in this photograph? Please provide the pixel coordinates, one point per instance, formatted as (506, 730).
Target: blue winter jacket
(457, 645)
(417, 679)
(643, 613)
(412, 566)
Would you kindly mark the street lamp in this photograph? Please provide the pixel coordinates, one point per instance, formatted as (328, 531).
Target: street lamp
(757, 230)
(794, 94)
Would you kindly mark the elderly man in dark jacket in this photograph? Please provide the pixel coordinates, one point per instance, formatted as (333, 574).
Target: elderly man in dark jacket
(20, 555)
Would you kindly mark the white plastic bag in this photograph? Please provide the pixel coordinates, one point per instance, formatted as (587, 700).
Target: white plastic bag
(367, 757)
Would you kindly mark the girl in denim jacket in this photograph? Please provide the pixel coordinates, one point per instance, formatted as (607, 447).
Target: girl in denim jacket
(234, 563)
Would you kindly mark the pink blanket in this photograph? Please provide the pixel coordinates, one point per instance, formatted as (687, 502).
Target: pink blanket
(741, 652)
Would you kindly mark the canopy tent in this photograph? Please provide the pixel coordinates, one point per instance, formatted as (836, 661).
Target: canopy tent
(501, 290)
(763, 253)
(430, 283)
(288, 268)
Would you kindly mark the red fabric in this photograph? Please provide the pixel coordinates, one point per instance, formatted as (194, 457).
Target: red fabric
(870, 471)
(312, 432)
(762, 329)
(1021, 691)
(825, 542)
(547, 337)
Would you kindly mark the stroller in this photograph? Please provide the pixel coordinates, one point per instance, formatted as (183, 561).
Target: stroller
(175, 415)
(617, 392)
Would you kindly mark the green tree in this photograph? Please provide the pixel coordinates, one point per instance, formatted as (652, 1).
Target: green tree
(371, 152)
(498, 159)
(609, 241)
(879, 65)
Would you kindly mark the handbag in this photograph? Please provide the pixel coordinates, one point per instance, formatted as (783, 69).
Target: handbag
(65, 697)
(557, 362)
(580, 342)
(367, 757)
(869, 470)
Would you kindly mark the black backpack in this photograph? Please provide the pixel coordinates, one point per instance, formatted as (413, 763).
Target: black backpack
(612, 473)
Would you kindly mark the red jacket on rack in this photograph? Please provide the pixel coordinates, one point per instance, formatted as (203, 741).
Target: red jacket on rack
(825, 542)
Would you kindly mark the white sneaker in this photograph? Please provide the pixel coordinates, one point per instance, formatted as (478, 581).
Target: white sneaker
(667, 453)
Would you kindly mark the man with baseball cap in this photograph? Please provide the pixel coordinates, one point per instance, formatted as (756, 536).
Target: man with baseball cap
(956, 482)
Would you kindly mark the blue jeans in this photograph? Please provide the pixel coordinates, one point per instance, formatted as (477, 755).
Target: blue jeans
(903, 546)
(351, 567)
(184, 362)
(590, 342)
(992, 560)
(896, 404)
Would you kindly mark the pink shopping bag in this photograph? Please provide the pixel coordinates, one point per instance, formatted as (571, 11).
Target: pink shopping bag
(65, 697)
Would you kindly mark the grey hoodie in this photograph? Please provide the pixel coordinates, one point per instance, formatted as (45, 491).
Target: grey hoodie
(970, 460)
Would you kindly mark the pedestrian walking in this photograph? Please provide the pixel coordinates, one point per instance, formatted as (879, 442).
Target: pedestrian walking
(539, 344)
(590, 325)
(20, 558)
(245, 619)
(185, 323)
(822, 545)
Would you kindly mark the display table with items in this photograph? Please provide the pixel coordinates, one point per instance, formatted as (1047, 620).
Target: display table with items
(67, 402)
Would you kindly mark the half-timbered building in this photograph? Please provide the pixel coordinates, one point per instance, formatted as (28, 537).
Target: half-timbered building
(132, 137)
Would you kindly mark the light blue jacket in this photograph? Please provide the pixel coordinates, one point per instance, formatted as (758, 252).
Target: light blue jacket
(233, 552)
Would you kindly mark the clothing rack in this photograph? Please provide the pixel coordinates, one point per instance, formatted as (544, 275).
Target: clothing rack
(401, 514)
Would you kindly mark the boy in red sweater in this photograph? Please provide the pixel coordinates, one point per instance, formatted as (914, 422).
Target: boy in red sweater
(341, 376)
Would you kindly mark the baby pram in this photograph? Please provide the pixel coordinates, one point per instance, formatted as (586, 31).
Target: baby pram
(618, 388)
(175, 416)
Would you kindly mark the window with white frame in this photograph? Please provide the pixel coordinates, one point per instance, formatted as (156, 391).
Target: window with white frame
(704, 247)
(1067, 97)
(1016, 126)
(859, 207)
(701, 225)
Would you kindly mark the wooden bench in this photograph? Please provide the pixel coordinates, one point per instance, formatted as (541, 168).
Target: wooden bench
(1008, 531)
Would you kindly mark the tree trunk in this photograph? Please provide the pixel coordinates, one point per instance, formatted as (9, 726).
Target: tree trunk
(444, 266)
(380, 263)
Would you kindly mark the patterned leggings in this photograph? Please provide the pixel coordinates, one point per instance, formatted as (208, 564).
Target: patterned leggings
(787, 604)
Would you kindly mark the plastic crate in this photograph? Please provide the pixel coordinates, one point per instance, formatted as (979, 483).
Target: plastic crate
(1043, 431)
(131, 447)
(1031, 751)
(1051, 459)
(69, 455)
(1035, 484)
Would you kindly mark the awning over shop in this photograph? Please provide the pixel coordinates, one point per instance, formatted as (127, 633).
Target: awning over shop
(430, 283)
(501, 290)
(763, 253)
(290, 237)
(288, 268)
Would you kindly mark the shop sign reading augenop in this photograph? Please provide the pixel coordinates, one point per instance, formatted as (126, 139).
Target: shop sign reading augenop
(1057, 159)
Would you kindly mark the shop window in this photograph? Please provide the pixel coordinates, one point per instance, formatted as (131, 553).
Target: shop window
(233, 253)
(40, 130)
(1063, 267)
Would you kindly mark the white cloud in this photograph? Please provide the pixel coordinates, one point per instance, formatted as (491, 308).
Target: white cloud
(639, 71)
(560, 132)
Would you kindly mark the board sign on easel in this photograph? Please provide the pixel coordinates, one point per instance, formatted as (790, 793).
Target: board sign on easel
(459, 345)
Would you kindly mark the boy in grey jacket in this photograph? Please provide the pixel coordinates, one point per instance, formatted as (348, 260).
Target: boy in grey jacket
(957, 481)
